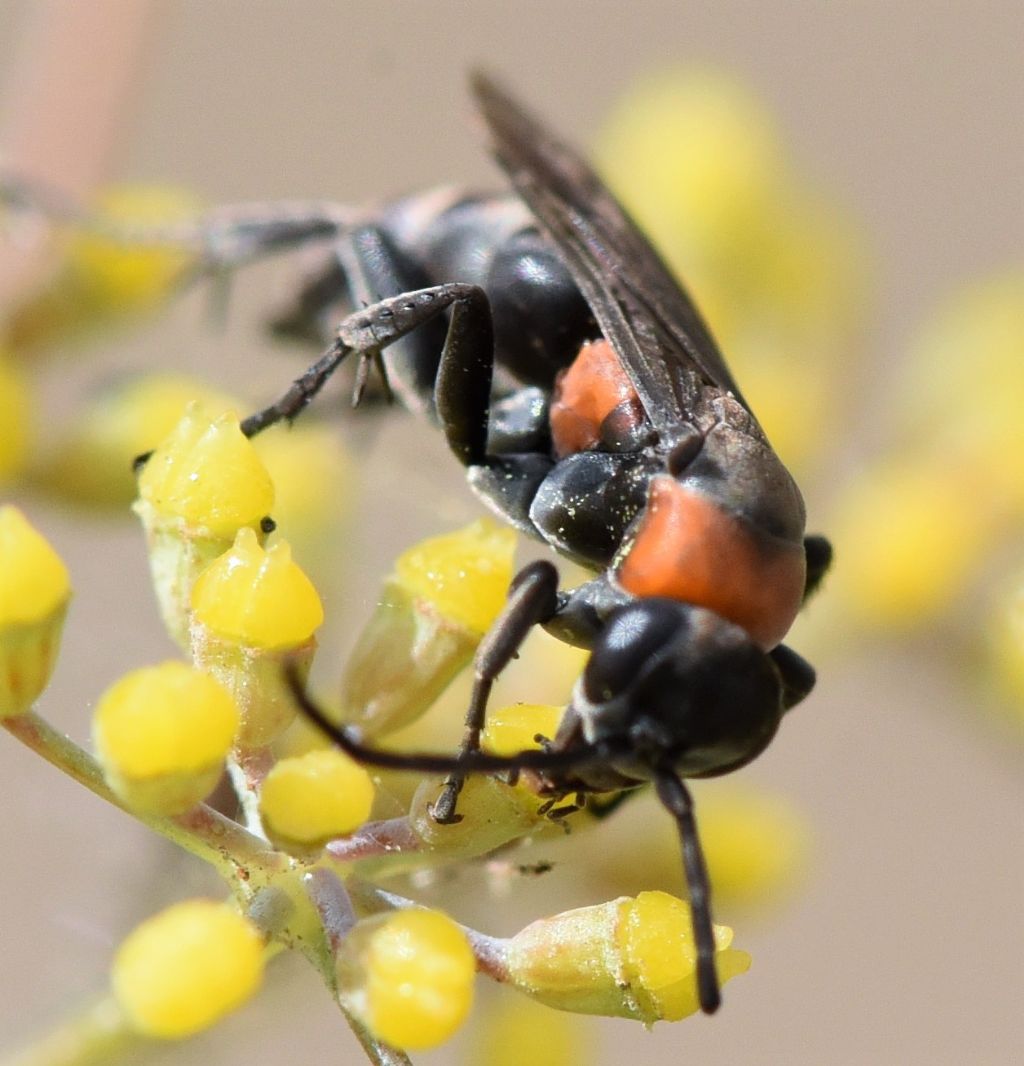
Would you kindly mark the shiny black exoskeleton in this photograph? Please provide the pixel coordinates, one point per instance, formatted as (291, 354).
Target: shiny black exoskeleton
(579, 386)
(576, 382)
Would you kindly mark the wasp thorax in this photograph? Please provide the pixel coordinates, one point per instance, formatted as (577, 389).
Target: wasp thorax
(683, 686)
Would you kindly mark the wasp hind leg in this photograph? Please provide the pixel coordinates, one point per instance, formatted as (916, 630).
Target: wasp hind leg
(223, 238)
(532, 599)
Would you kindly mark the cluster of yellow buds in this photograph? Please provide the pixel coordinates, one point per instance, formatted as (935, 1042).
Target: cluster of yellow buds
(241, 610)
(162, 734)
(197, 490)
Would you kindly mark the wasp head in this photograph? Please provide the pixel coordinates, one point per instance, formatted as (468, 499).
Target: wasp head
(678, 686)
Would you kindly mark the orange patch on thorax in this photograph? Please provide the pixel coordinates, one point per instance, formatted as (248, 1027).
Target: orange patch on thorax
(690, 549)
(593, 388)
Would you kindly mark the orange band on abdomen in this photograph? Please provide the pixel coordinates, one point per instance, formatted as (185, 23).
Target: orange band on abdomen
(585, 394)
(689, 548)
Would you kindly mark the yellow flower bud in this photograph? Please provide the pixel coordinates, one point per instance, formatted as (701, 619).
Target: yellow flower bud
(185, 968)
(464, 575)
(161, 735)
(34, 594)
(409, 977)
(655, 939)
(629, 958)
(207, 477)
(133, 274)
(909, 537)
(252, 610)
(200, 486)
(14, 419)
(314, 483)
(512, 729)
(93, 463)
(102, 279)
(257, 598)
(310, 799)
(434, 609)
(515, 1031)
(493, 813)
(1005, 644)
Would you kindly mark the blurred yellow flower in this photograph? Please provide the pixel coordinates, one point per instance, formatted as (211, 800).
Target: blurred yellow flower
(109, 270)
(15, 419)
(774, 267)
(92, 463)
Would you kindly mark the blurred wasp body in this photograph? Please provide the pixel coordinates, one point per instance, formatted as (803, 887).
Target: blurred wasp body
(578, 385)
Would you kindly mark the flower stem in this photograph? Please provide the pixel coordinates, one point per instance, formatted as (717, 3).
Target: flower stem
(201, 831)
(99, 1034)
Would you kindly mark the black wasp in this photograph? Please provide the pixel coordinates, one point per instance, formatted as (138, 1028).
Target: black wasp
(578, 385)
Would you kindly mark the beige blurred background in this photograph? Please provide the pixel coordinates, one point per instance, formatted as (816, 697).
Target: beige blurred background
(906, 945)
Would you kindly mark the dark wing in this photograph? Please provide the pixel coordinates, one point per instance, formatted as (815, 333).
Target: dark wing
(652, 324)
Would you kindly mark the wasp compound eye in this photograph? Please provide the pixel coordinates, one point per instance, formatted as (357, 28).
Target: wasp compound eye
(632, 637)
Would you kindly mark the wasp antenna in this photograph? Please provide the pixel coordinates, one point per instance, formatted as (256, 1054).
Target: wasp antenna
(351, 743)
(676, 799)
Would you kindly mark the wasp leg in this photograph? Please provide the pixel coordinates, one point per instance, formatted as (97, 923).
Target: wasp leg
(797, 675)
(347, 738)
(532, 599)
(819, 558)
(366, 265)
(224, 238)
(370, 330)
(675, 797)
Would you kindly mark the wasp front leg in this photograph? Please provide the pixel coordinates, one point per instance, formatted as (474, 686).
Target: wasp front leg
(364, 266)
(532, 599)
(367, 332)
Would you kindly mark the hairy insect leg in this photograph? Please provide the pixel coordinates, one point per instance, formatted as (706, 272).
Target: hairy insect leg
(533, 598)
(676, 799)
(366, 265)
(223, 238)
(368, 331)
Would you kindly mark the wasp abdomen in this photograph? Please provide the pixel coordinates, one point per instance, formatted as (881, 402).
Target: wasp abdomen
(595, 406)
(689, 548)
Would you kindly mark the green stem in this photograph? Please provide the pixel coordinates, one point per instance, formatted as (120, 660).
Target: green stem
(97, 1035)
(202, 831)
